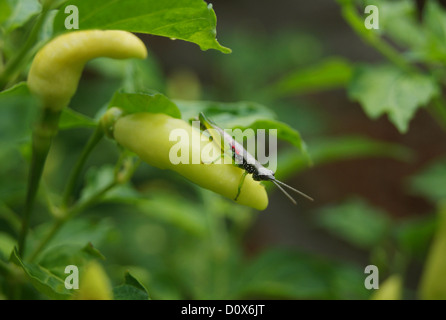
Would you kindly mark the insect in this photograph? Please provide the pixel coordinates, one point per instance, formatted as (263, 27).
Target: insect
(243, 159)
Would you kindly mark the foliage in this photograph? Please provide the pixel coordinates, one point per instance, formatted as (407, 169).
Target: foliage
(159, 236)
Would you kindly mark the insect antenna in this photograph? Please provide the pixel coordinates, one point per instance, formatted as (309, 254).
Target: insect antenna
(283, 190)
(295, 190)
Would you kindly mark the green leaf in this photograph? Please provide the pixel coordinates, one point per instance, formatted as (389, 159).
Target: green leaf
(11, 218)
(189, 20)
(70, 119)
(144, 102)
(136, 74)
(385, 89)
(430, 182)
(347, 282)
(7, 244)
(291, 49)
(90, 250)
(284, 132)
(19, 89)
(435, 23)
(58, 257)
(414, 236)
(42, 279)
(281, 274)
(167, 207)
(332, 73)
(46, 31)
(123, 193)
(225, 114)
(71, 242)
(97, 179)
(356, 222)
(18, 108)
(286, 274)
(173, 210)
(328, 150)
(398, 20)
(132, 289)
(23, 11)
(242, 115)
(5, 10)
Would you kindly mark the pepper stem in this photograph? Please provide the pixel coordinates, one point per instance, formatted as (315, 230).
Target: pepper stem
(91, 144)
(42, 136)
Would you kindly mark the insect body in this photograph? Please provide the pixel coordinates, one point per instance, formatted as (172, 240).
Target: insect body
(243, 159)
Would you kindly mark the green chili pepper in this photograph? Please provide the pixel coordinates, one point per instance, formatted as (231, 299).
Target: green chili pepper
(94, 283)
(433, 281)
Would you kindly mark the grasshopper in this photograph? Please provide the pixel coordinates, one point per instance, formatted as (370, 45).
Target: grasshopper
(243, 159)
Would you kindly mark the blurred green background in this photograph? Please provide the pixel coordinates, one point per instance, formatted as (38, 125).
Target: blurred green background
(376, 190)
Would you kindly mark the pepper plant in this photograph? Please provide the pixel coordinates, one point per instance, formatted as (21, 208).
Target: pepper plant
(147, 117)
(90, 187)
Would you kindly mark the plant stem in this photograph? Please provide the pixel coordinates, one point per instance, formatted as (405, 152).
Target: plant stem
(49, 202)
(69, 214)
(43, 134)
(91, 144)
(120, 177)
(438, 105)
(58, 223)
(350, 14)
(1, 55)
(11, 218)
(11, 68)
(438, 111)
(5, 270)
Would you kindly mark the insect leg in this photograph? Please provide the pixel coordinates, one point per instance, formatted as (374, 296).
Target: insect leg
(242, 180)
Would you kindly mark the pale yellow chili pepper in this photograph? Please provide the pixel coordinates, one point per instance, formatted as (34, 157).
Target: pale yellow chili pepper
(390, 289)
(94, 283)
(53, 78)
(57, 67)
(147, 135)
(433, 281)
